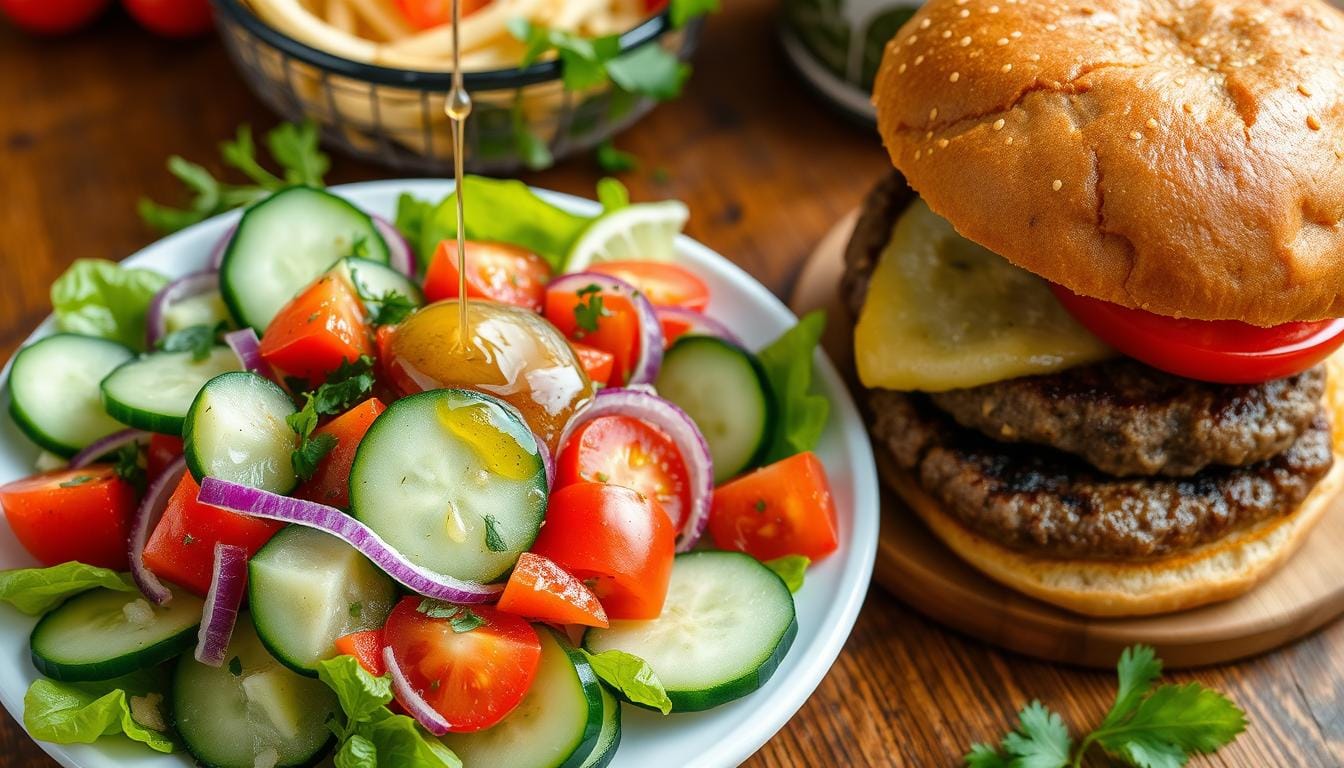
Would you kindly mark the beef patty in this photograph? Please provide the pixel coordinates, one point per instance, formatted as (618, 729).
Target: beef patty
(1121, 416)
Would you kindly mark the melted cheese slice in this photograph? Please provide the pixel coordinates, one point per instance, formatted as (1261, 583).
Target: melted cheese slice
(943, 313)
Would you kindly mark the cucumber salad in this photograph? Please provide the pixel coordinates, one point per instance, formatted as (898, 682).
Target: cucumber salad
(310, 501)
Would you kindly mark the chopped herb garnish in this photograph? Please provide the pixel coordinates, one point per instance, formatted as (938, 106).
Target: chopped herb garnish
(602, 477)
(465, 621)
(493, 541)
(311, 448)
(128, 466)
(350, 383)
(760, 506)
(434, 684)
(236, 666)
(188, 540)
(76, 481)
(389, 309)
(589, 310)
(461, 619)
(356, 609)
(196, 339)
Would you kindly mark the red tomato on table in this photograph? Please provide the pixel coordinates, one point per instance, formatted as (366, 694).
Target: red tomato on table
(541, 590)
(472, 664)
(52, 17)
(321, 328)
(625, 451)
(612, 328)
(330, 483)
(172, 18)
(495, 271)
(783, 509)
(72, 514)
(367, 648)
(662, 283)
(619, 543)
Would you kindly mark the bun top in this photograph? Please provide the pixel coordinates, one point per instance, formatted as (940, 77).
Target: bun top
(1186, 158)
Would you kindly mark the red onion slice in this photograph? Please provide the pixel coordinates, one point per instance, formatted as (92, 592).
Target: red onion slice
(414, 703)
(227, 584)
(650, 330)
(105, 445)
(217, 252)
(258, 503)
(697, 323)
(146, 517)
(185, 287)
(399, 255)
(247, 347)
(648, 407)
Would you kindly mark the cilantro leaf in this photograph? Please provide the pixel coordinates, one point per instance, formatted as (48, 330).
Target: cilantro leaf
(348, 385)
(461, 618)
(36, 590)
(1041, 740)
(589, 310)
(311, 449)
(984, 756)
(295, 147)
(682, 11)
(791, 568)
(241, 153)
(632, 676)
(1171, 722)
(493, 541)
(612, 160)
(196, 339)
(802, 414)
(465, 621)
(390, 308)
(651, 70)
(1137, 669)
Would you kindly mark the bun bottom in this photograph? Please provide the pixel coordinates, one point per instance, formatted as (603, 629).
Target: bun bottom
(1211, 573)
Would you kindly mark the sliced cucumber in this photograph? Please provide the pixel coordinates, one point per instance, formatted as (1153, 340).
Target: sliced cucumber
(723, 388)
(556, 725)
(204, 309)
(306, 588)
(438, 469)
(53, 390)
(102, 634)
(375, 280)
(252, 710)
(236, 431)
(284, 243)
(153, 392)
(609, 738)
(726, 625)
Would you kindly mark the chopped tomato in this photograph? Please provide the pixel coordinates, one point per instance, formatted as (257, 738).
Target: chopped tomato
(495, 271)
(783, 509)
(539, 589)
(367, 648)
(596, 363)
(163, 450)
(674, 326)
(182, 547)
(1223, 351)
(424, 14)
(472, 664)
(625, 451)
(616, 541)
(611, 326)
(72, 514)
(330, 483)
(664, 284)
(313, 334)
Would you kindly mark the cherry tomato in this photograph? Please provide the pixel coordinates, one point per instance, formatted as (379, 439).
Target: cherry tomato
(424, 14)
(595, 362)
(472, 664)
(72, 514)
(615, 329)
(665, 285)
(616, 541)
(52, 17)
(330, 483)
(367, 648)
(172, 18)
(318, 330)
(163, 450)
(783, 509)
(625, 451)
(1223, 351)
(495, 271)
(540, 590)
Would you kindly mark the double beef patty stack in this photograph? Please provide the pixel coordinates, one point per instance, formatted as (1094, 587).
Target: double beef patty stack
(1097, 301)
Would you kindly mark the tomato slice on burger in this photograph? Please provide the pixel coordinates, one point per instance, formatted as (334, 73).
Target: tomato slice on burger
(625, 451)
(664, 284)
(496, 271)
(1222, 351)
(472, 664)
(72, 514)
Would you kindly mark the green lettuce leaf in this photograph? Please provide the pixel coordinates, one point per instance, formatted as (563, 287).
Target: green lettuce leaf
(632, 676)
(96, 297)
(360, 693)
(800, 414)
(372, 736)
(791, 568)
(81, 713)
(36, 590)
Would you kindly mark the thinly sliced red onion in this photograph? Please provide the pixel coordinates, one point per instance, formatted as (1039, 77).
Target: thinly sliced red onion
(646, 406)
(227, 584)
(247, 347)
(217, 252)
(105, 445)
(399, 255)
(185, 287)
(697, 323)
(414, 703)
(258, 503)
(146, 517)
(650, 330)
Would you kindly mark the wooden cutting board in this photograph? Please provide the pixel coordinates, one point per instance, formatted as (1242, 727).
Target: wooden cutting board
(917, 568)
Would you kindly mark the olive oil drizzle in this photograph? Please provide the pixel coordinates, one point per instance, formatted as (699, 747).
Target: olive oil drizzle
(458, 107)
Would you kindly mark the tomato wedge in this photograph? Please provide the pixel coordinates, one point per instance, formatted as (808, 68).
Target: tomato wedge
(330, 483)
(72, 514)
(318, 330)
(665, 285)
(783, 509)
(472, 664)
(595, 362)
(614, 329)
(614, 540)
(625, 451)
(495, 271)
(367, 648)
(539, 589)
(1222, 351)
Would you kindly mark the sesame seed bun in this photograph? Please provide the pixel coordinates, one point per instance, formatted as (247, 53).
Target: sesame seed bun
(1183, 158)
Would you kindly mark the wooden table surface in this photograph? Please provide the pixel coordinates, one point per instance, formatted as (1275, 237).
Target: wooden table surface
(87, 122)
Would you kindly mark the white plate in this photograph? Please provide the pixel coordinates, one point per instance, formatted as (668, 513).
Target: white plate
(827, 604)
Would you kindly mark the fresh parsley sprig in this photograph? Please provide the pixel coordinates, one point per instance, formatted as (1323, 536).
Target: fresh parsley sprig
(388, 309)
(1146, 727)
(589, 311)
(345, 387)
(196, 339)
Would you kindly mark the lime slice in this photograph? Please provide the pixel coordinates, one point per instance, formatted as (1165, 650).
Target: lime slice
(644, 232)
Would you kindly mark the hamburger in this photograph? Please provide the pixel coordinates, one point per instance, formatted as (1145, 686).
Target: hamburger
(1097, 300)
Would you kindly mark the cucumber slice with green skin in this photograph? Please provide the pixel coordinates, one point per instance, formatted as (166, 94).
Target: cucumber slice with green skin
(609, 738)
(102, 634)
(556, 725)
(235, 430)
(306, 588)
(723, 388)
(726, 625)
(53, 390)
(154, 392)
(431, 469)
(284, 243)
(252, 710)
(206, 309)
(375, 280)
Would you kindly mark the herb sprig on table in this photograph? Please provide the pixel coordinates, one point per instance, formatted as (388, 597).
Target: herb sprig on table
(1147, 727)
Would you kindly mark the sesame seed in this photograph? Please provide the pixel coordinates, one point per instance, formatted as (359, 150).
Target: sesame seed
(1304, 90)
(947, 33)
(1202, 41)
(954, 77)
(1002, 41)
(1009, 141)
(1186, 106)
(1006, 68)
(901, 69)
(933, 114)
(963, 13)
(1305, 50)
(919, 59)
(962, 2)
(1035, 57)
(998, 124)
(942, 143)
(1152, 122)
(930, 151)
(993, 9)
(1051, 27)
(919, 153)
(911, 40)
(1313, 123)
(925, 24)
(1135, 135)
(928, 135)
(1056, 185)
(965, 41)
(1015, 34)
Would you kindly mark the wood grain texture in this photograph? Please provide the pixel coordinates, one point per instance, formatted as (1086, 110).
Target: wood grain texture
(86, 123)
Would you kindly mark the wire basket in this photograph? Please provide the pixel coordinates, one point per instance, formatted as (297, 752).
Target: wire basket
(395, 117)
